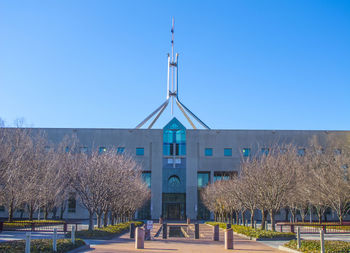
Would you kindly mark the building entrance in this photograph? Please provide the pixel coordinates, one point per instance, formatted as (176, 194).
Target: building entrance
(173, 211)
(174, 207)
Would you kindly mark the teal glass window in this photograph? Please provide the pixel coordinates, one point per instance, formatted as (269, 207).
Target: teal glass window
(301, 152)
(203, 179)
(102, 150)
(265, 151)
(166, 149)
(67, 149)
(180, 136)
(224, 175)
(146, 177)
(174, 181)
(228, 152)
(168, 136)
(208, 152)
(140, 151)
(83, 150)
(246, 152)
(2, 208)
(120, 150)
(174, 139)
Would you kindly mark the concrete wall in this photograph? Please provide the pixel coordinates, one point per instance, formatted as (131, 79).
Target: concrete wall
(197, 141)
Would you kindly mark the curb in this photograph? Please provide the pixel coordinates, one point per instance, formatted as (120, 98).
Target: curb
(87, 246)
(288, 249)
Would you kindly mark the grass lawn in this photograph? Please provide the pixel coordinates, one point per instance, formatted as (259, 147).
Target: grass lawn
(311, 246)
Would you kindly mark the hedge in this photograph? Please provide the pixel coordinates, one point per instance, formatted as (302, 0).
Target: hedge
(251, 232)
(28, 223)
(40, 246)
(311, 246)
(106, 232)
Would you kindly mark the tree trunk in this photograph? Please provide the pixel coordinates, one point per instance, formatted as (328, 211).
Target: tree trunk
(31, 212)
(272, 216)
(237, 217)
(286, 214)
(98, 216)
(91, 222)
(252, 218)
(263, 219)
(105, 219)
(62, 210)
(10, 211)
(54, 212)
(46, 213)
(319, 214)
(243, 217)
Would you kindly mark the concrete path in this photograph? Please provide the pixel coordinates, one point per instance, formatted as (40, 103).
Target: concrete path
(173, 244)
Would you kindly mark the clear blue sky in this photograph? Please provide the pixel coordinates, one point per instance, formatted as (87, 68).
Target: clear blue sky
(242, 65)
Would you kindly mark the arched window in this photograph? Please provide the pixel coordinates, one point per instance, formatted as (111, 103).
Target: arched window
(174, 181)
(174, 139)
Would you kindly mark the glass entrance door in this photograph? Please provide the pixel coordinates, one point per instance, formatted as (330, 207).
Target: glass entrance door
(173, 211)
(174, 206)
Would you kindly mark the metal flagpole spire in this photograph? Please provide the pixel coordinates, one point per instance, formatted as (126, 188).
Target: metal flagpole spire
(172, 91)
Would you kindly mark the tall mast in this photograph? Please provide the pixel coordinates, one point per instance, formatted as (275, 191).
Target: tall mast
(172, 65)
(172, 91)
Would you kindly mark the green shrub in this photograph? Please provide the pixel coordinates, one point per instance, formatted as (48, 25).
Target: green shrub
(311, 246)
(28, 223)
(251, 232)
(40, 246)
(106, 232)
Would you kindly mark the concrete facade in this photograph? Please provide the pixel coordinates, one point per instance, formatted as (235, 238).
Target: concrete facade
(194, 160)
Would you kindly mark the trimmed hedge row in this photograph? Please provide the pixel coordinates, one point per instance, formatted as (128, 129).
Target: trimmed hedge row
(311, 246)
(106, 232)
(251, 232)
(28, 223)
(40, 246)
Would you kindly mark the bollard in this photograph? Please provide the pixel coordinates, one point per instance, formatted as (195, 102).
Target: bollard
(165, 230)
(322, 241)
(54, 241)
(228, 225)
(132, 230)
(147, 234)
(255, 224)
(216, 233)
(27, 250)
(73, 235)
(188, 221)
(139, 240)
(298, 238)
(229, 238)
(196, 231)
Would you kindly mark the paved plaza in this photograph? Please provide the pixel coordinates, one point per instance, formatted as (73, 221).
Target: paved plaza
(174, 244)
